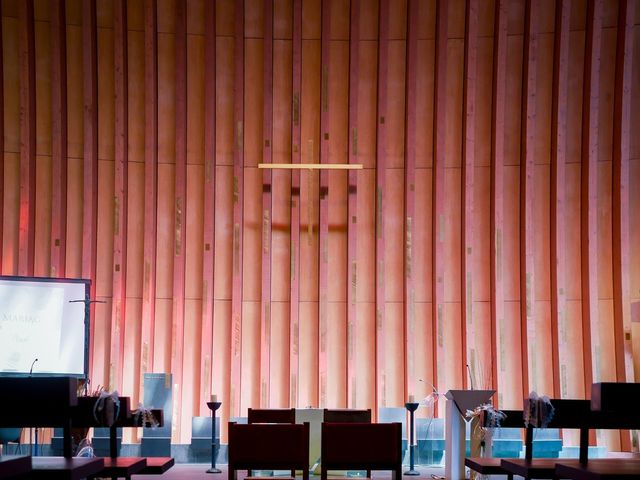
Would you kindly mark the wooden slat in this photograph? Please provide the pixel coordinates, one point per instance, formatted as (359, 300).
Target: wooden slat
(150, 187)
(352, 207)
(26, 245)
(438, 218)
(1, 139)
(559, 331)
(410, 197)
(90, 164)
(469, 344)
(238, 194)
(180, 212)
(267, 210)
(58, 138)
(527, 160)
(381, 151)
(497, 194)
(118, 305)
(589, 192)
(323, 252)
(208, 254)
(296, 136)
(620, 201)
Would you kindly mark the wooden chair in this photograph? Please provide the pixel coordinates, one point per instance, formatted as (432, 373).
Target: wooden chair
(271, 415)
(348, 415)
(277, 446)
(362, 446)
(490, 465)
(10, 435)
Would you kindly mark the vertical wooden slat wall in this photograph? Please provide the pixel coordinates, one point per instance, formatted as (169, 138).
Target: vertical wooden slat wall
(492, 225)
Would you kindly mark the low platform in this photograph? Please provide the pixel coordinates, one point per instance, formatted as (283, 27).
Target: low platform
(485, 466)
(157, 465)
(60, 468)
(600, 469)
(121, 467)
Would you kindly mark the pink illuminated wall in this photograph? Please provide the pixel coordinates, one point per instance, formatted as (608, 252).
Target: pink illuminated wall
(494, 222)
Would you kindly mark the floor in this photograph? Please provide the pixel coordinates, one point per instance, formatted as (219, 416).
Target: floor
(197, 471)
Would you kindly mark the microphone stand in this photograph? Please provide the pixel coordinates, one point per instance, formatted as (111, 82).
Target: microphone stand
(35, 446)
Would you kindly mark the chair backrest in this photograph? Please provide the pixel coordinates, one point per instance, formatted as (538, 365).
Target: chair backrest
(84, 415)
(375, 446)
(513, 419)
(9, 435)
(268, 446)
(271, 415)
(615, 396)
(347, 416)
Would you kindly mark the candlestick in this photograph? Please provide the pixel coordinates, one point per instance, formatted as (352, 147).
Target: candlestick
(215, 442)
(411, 406)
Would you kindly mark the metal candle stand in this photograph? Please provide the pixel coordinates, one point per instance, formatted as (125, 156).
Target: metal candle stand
(215, 442)
(411, 407)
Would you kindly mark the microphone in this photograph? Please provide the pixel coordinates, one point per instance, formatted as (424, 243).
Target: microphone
(470, 376)
(32, 364)
(433, 388)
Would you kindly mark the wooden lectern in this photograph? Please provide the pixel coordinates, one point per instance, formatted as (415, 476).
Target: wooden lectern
(458, 402)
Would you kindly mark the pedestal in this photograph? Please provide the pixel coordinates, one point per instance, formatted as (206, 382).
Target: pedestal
(411, 407)
(458, 402)
(215, 441)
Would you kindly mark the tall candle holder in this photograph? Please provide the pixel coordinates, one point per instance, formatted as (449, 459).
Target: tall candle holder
(411, 407)
(215, 441)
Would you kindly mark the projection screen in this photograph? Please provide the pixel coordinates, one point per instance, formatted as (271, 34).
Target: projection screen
(43, 319)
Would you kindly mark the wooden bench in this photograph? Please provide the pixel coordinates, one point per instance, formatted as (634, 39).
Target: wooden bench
(46, 402)
(570, 414)
(599, 469)
(276, 446)
(613, 406)
(362, 446)
(115, 466)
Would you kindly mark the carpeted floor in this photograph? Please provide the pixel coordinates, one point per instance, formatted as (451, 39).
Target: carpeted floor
(197, 471)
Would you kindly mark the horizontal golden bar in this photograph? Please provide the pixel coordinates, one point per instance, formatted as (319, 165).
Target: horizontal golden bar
(312, 166)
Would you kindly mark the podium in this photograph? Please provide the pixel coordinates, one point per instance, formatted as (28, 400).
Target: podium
(458, 402)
